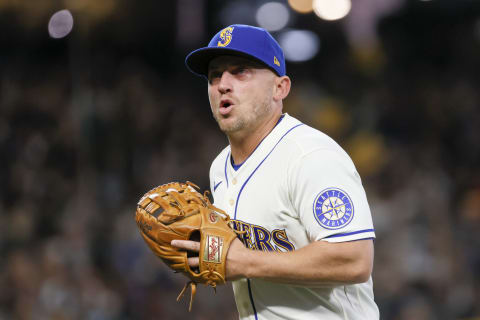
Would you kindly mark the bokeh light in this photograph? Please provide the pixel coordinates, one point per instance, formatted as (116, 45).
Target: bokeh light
(331, 10)
(272, 16)
(60, 24)
(301, 6)
(299, 45)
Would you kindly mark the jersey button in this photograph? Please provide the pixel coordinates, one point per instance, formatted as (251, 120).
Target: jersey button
(234, 181)
(231, 202)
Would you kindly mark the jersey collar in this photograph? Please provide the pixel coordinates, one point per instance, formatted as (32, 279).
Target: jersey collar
(285, 123)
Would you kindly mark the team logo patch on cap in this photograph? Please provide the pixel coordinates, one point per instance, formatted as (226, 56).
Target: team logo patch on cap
(225, 37)
(333, 208)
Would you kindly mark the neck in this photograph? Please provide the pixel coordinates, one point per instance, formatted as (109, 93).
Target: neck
(242, 144)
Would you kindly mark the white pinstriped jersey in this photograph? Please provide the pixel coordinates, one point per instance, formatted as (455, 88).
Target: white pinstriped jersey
(298, 186)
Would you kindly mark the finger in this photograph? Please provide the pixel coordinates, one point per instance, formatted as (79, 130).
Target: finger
(193, 262)
(186, 244)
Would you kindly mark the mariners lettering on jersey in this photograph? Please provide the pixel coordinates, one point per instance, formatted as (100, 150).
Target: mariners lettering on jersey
(258, 238)
(333, 208)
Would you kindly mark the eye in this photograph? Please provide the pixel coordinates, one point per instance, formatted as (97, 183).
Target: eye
(212, 76)
(240, 70)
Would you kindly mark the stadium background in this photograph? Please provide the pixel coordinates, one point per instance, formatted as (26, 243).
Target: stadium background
(90, 121)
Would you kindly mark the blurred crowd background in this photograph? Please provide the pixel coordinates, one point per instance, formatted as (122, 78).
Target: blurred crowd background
(92, 118)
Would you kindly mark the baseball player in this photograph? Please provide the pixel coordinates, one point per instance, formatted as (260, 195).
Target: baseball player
(306, 251)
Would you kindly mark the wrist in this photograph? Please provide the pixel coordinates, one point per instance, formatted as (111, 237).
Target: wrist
(245, 268)
(238, 261)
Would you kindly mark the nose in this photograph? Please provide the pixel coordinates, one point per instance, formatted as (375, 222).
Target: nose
(225, 83)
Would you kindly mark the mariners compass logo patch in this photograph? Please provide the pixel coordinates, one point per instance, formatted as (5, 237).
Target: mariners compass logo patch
(333, 208)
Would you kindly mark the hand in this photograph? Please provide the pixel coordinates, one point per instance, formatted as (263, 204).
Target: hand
(193, 246)
(236, 256)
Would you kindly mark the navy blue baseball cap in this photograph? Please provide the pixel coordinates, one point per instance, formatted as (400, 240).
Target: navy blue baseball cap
(239, 40)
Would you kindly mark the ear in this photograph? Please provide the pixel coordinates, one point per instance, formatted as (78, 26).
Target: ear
(282, 88)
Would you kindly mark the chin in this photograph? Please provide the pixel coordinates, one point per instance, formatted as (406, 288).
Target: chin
(227, 129)
(230, 126)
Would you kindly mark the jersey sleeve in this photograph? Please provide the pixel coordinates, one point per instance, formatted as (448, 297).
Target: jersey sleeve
(329, 198)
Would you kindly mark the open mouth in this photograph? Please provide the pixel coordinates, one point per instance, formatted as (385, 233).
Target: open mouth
(225, 106)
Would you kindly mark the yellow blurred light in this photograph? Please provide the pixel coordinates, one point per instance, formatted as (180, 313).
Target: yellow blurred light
(95, 9)
(368, 152)
(331, 10)
(301, 6)
(331, 117)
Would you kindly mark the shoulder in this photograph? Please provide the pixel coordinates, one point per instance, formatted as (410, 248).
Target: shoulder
(305, 140)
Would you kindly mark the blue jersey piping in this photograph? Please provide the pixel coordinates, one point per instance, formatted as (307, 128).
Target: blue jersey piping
(226, 161)
(248, 179)
(251, 299)
(238, 198)
(349, 233)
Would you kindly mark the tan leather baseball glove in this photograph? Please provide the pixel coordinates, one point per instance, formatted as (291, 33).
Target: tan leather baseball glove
(177, 211)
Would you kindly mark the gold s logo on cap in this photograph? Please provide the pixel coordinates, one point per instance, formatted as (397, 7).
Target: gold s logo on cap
(225, 36)
(275, 60)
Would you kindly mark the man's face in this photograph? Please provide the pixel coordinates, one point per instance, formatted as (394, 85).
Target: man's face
(240, 93)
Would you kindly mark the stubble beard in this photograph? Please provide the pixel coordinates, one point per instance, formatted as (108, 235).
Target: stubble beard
(245, 120)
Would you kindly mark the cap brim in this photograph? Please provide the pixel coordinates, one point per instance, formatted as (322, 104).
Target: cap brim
(197, 61)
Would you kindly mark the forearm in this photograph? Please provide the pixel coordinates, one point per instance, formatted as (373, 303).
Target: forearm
(318, 264)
